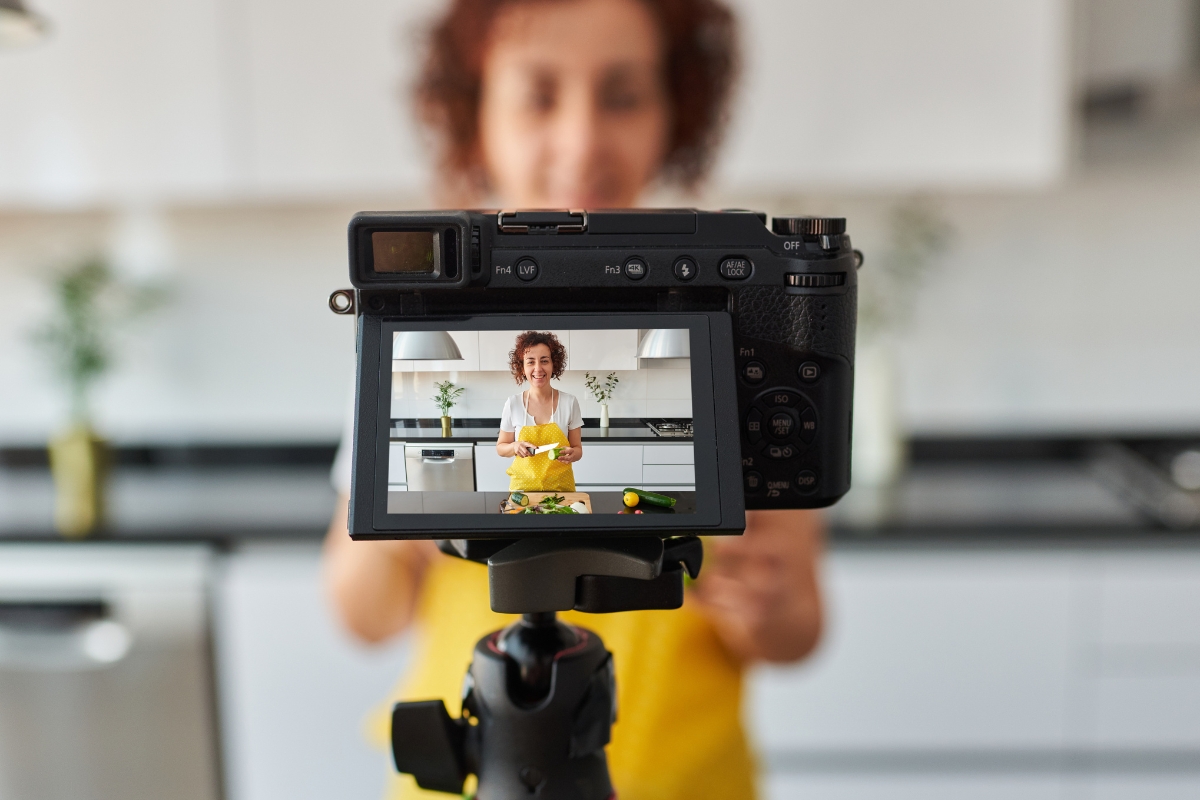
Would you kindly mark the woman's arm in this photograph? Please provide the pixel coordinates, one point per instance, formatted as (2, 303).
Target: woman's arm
(574, 449)
(761, 589)
(374, 586)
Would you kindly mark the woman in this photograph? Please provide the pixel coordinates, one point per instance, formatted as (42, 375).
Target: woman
(577, 104)
(541, 416)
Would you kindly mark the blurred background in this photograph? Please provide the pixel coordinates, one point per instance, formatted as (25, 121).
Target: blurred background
(1013, 584)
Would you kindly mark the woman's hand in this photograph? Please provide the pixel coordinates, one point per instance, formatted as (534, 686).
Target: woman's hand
(760, 589)
(524, 449)
(568, 455)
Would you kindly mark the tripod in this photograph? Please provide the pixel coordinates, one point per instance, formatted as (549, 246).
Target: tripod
(539, 698)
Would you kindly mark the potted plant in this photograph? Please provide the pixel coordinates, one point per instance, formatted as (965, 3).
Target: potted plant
(90, 305)
(447, 395)
(601, 392)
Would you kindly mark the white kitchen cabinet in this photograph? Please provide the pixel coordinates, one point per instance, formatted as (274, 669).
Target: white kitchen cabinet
(603, 350)
(490, 469)
(669, 473)
(930, 650)
(892, 786)
(906, 94)
(125, 101)
(609, 464)
(668, 454)
(1144, 648)
(494, 347)
(210, 100)
(296, 688)
(943, 670)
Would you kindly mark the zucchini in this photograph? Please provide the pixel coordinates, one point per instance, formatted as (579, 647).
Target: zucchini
(519, 499)
(652, 498)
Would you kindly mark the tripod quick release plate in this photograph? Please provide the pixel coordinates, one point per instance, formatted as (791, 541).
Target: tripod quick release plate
(600, 575)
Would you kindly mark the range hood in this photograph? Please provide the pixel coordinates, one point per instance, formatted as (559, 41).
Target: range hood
(665, 343)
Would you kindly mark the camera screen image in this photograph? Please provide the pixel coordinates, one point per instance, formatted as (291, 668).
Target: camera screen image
(413, 252)
(542, 421)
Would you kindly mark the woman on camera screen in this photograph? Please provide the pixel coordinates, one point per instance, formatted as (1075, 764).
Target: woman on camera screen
(540, 417)
(589, 104)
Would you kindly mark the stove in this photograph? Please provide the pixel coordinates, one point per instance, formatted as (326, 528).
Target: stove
(670, 427)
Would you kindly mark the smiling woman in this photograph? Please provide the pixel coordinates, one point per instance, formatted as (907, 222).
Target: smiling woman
(540, 417)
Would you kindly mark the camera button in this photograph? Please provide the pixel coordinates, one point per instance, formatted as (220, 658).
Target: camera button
(754, 373)
(736, 268)
(635, 269)
(781, 425)
(685, 269)
(809, 372)
(806, 481)
(780, 452)
(780, 397)
(754, 425)
(527, 269)
(808, 425)
(753, 481)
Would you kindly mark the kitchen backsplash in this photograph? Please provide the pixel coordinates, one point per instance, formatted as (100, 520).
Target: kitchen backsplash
(648, 392)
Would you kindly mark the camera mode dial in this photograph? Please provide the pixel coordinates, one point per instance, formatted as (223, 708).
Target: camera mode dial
(809, 226)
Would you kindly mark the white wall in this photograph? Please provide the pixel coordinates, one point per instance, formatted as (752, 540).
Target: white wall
(1071, 309)
(246, 348)
(641, 393)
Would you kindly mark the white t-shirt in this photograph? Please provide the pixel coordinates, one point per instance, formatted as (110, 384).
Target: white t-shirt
(566, 414)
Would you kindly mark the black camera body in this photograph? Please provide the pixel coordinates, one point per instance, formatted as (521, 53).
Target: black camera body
(779, 305)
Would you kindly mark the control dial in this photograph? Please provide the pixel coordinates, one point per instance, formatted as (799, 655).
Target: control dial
(809, 226)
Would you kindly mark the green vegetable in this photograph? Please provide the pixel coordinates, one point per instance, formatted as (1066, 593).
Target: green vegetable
(653, 498)
(519, 499)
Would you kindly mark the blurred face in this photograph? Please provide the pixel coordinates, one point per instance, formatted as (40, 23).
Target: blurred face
(574, 113)
(538, 365)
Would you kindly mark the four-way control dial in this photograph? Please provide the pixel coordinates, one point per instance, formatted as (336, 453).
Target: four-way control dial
(781, 423)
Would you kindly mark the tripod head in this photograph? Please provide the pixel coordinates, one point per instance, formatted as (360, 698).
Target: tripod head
(539, 698)
(595, 575)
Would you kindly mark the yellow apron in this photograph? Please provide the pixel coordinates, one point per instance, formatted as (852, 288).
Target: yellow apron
(678, 734)
(541, 473)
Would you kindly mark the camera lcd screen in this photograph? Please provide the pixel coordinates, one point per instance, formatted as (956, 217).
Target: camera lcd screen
(496, 425)
(412, 252)
(511, 452)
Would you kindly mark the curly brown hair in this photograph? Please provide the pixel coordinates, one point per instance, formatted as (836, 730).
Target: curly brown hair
(700, 38)
(528, 339)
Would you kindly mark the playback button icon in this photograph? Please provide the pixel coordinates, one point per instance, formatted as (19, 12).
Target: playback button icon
(685, 269)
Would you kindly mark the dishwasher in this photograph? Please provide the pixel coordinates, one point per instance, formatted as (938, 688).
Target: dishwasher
(440, 468)
(106, 686)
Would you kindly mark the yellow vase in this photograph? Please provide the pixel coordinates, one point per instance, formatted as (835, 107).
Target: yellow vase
(445, 426)
(79, 465)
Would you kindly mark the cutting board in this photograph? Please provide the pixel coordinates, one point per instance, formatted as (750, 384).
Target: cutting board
(568, 498)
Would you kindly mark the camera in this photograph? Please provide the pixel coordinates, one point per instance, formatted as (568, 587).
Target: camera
(731, 341)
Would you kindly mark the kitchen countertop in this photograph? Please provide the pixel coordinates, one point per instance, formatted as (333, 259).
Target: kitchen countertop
(254, 493)
(622, 430)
